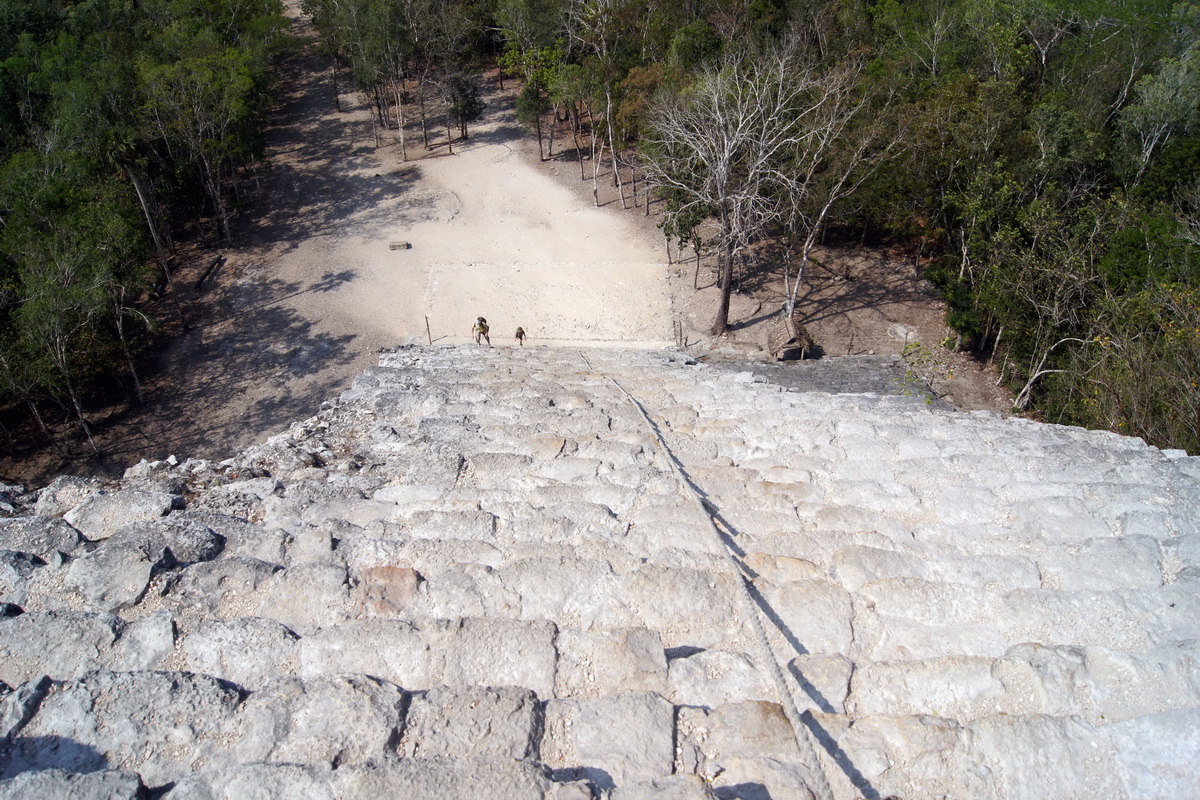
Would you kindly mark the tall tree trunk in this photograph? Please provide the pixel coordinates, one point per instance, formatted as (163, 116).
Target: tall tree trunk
(596, 174)
(399, 91)
(87, 429)
(37, 414)
(575, 134)
(612, 143)
(333, 72)
(553, 125)
(162, 256)
(213, 185)
(119, 302)
(424, 118)
(721, 323)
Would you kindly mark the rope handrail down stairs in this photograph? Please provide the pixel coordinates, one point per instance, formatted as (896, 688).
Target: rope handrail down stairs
(810, 761)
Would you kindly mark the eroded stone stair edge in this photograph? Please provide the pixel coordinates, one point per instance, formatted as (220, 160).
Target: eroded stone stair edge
(812, 765)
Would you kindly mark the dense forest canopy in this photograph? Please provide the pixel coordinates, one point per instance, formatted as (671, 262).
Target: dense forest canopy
(121, 122)
(1043, 156)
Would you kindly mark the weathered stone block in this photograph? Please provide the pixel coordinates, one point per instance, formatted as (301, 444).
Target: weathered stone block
(712, 678)
(815, 613)
(225, 588)
(742, 744)
(101, 514)
(57, 784)
(391, 650)
(162, 725)
(605, 663)
(64, 493)
(61, 644)
(501, 722)
(611, 741)
(494, 652)
(327, 719)
(250, 651)
(40, 535)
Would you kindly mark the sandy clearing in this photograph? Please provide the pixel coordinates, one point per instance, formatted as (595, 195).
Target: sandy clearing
(489, 234)
(311, 291)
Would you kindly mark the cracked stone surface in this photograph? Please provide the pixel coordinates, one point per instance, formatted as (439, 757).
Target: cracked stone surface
(479, 573)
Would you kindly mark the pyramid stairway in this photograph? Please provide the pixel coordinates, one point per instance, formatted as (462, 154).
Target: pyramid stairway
(553, 573)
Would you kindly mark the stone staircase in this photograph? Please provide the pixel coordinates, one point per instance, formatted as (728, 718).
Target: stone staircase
(550, 573)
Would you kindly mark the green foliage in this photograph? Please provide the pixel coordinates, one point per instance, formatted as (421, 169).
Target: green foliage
(108, 107)
(694, 44)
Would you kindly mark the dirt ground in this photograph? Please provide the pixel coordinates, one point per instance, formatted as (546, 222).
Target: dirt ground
(347, 248)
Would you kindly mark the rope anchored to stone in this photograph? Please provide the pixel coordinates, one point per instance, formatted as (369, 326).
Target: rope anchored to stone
(819, 784)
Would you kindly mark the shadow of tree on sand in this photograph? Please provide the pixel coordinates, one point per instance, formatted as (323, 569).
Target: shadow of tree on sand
(206, 380)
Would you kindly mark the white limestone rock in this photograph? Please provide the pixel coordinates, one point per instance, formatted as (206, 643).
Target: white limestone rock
(440, 778)
(161, 725)
(493, 652)
(610, 741)
(241, 537)
(40, 535)
(1078, 617)
(63, 494)
(465, 590)
(712, 678)
(779, 569)
(815, 613)
(899, 756)
(327, 719)
(824, 682)
(1105, 686)
(1028, 757)
(224, 588)
(494, 722)
(15, 570)
(1128, 562)
(145, 644)
(604, 663)
(61, 644)
(391, 650)
(239, 498)
(670, 787)
(103, 513)
(473, 525)
(306, 595)
(488, 470)
(572, 590)
(750, 745)
(258, 780)
(115, 577)
(57, 784)
(249, 651)
(960, 687)
(1156, 754)
(188, 539)
(17, 707)
(666, 600)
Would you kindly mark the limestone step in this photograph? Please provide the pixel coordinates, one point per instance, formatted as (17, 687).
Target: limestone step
(478, 555)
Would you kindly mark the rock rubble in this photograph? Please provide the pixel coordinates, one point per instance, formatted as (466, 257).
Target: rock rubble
(541, 573)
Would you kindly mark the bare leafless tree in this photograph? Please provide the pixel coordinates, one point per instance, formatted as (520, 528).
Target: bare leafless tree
(842, 146)
(760, 142)
(723, 145)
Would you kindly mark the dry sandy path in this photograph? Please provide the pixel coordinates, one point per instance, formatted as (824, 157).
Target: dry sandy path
(312, 290)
